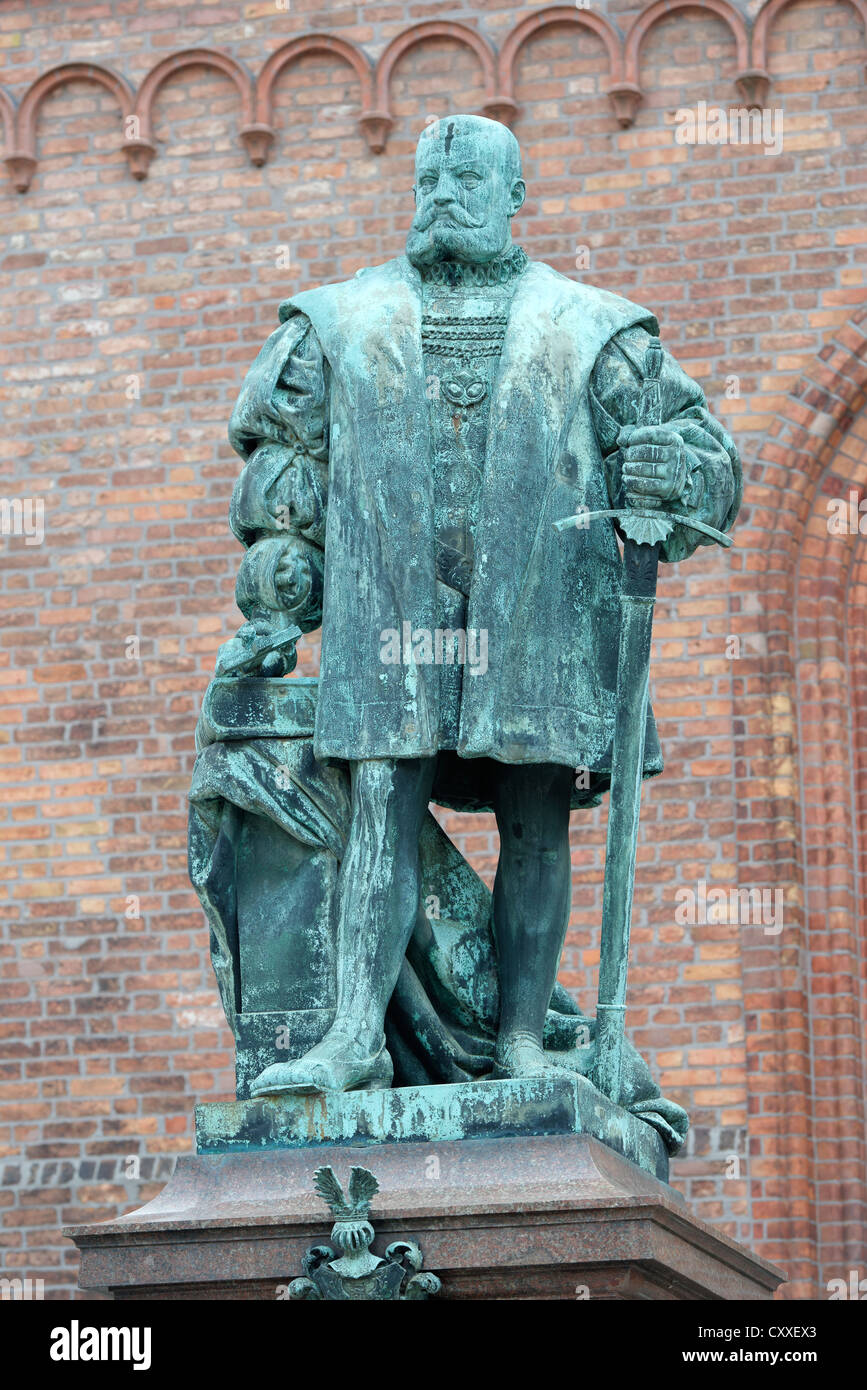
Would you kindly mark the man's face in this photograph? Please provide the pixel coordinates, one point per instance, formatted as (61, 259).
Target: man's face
(466, 192)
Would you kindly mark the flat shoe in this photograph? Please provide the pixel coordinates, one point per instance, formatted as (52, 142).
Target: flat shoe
(521, 1060)
(309, 1076)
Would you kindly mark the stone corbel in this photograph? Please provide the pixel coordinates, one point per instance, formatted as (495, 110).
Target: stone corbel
(753, 86)
(501, 108)
(257, 139)
(139, 154)
(21, 168)
(625, 98)
(376, 127)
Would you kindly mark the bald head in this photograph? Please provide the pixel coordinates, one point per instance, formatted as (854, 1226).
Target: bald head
(468, 187)
(473, 135)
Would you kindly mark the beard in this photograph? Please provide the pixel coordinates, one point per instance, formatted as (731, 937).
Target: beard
(442, 234)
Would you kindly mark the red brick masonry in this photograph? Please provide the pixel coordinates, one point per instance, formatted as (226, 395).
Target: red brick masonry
(273, 150)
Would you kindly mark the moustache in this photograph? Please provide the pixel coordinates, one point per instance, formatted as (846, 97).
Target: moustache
(454, 213)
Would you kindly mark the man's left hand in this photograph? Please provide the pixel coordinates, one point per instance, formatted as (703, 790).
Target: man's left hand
(654, 464)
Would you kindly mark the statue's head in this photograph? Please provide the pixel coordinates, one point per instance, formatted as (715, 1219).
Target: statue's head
(468, 187)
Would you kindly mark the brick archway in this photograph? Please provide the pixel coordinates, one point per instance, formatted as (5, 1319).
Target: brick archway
(802, 745)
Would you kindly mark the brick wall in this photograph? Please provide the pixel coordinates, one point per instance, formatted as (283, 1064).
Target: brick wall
(129, 311)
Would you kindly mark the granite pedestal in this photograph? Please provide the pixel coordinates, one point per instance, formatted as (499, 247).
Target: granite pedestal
(504, 1185)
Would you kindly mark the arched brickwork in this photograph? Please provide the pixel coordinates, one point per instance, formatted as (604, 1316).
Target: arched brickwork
(802, 701)
(22, 159)
(289, 53)
(764, 23)
(130, 313)
(536, 24)
(623, 51)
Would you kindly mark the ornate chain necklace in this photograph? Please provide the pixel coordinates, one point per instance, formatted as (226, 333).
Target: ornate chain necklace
(464, 341)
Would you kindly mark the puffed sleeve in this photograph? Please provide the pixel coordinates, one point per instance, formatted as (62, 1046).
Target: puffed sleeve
(279, 426)
(278, 509)
(283, 398)
(714, 485)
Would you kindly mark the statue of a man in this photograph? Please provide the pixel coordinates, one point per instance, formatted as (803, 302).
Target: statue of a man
(442, 411)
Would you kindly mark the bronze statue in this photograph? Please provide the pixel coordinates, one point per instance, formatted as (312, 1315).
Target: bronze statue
(410, 438)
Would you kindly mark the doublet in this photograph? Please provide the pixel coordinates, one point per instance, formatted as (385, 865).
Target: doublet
(465, 311)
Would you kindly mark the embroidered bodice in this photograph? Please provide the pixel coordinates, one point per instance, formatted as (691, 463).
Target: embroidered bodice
(465, 310)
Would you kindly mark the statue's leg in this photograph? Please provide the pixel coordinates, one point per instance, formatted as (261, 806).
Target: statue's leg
(379, 888)
(532, 894)
(378, 901)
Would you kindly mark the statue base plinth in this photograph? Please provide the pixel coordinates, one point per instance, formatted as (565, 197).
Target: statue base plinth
(561, 1103)
(557, 1215)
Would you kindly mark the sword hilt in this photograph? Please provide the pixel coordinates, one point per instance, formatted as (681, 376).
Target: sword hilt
(648, 411)
(649, 407)
(651, 523)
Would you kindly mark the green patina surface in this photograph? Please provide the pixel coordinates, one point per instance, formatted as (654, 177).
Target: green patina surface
(557, 1104)
(409, 439)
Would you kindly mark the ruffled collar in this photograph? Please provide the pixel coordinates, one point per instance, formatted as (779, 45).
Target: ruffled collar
(497, 272)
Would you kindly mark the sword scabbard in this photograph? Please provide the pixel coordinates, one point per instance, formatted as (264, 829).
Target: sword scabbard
(638, 595)
(637, 599)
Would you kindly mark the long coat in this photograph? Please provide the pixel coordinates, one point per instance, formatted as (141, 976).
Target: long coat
(547, 603)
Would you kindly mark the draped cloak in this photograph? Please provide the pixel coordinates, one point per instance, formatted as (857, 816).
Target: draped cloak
(357, 410)
(547, 603)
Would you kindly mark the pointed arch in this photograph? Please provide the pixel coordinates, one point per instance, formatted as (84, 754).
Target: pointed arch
(802, 817)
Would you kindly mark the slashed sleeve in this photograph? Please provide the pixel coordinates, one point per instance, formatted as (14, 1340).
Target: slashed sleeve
(280, 429)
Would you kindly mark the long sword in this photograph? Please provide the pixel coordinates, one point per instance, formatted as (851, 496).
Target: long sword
(644, 531)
